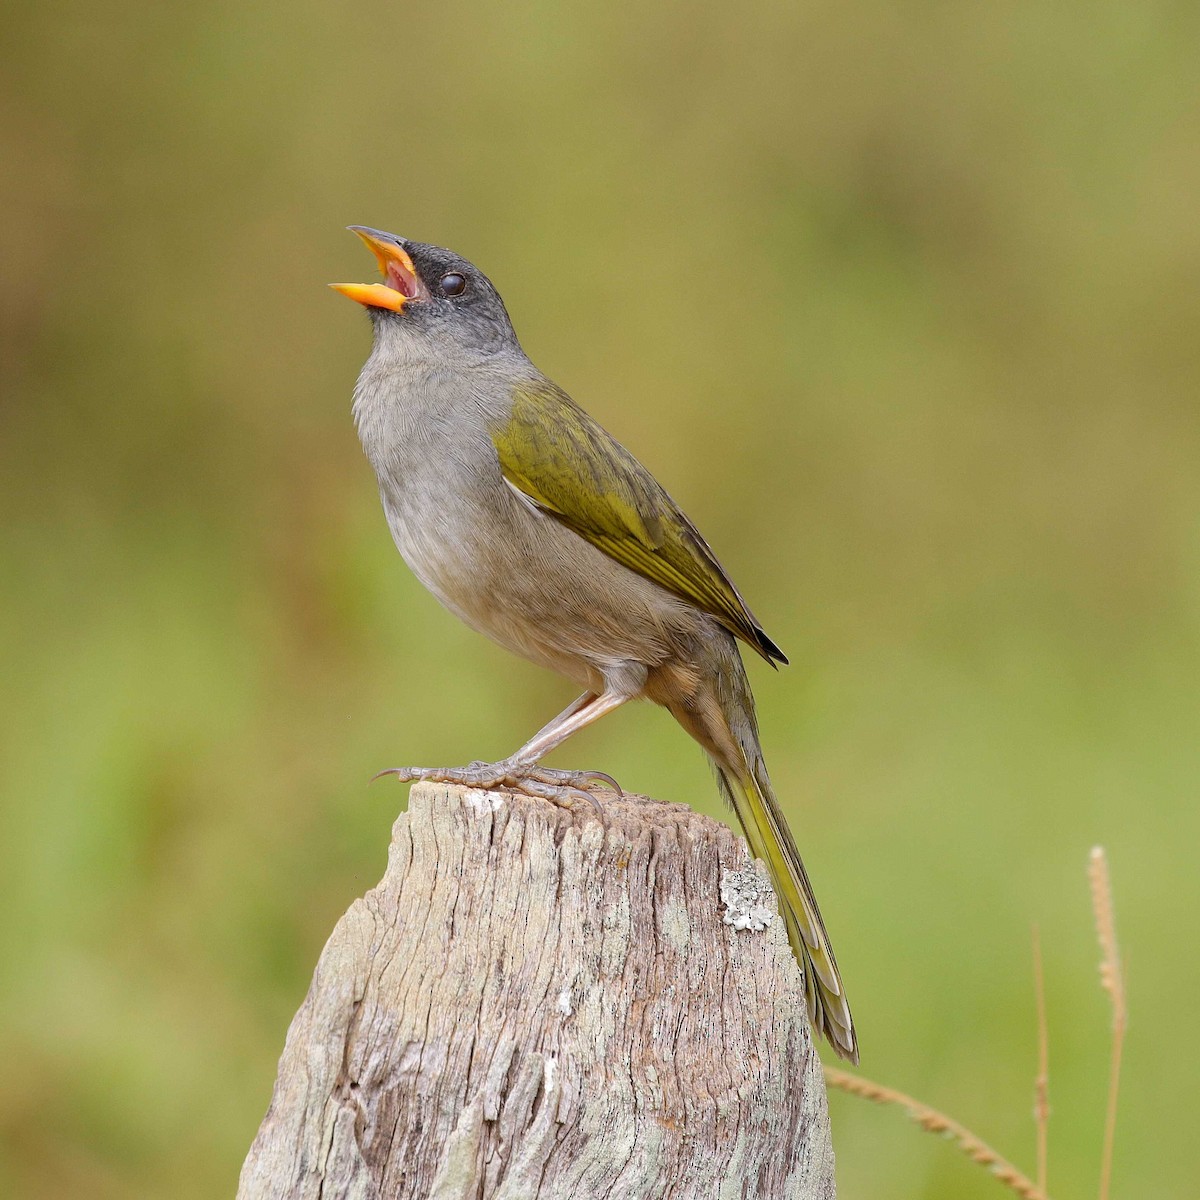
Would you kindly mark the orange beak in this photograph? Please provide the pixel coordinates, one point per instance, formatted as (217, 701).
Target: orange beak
(403, 283)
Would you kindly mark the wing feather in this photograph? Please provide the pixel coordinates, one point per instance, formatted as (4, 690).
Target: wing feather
(552, 452)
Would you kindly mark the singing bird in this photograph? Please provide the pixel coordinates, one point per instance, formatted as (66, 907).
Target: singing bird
(534, 525)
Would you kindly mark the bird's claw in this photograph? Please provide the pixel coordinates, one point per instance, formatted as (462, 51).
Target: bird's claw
(608, 781)
(563, 788)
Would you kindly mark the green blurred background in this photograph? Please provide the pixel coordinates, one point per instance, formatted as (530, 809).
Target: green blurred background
(900, 303)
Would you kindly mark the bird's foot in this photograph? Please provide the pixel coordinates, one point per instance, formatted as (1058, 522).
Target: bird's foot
(564, 788)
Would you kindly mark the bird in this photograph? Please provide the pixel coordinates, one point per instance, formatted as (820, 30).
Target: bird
(536, 527)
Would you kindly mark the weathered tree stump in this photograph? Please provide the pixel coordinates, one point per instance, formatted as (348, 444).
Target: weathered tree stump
(551, 1004)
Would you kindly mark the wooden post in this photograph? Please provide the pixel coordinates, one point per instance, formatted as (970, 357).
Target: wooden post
(543, 1004)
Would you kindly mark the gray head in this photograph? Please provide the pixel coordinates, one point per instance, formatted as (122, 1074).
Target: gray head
(432, 301)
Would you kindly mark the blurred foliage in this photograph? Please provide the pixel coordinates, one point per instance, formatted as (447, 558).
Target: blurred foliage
(900, 302)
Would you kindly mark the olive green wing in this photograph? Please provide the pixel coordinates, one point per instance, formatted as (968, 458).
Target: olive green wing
(562, 461)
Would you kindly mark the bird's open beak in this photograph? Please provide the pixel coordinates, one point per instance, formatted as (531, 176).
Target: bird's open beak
(402, 285)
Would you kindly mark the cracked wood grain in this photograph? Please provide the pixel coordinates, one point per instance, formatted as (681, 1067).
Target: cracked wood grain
(541, 1004)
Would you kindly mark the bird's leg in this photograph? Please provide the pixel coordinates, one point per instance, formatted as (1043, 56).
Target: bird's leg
(520, 770)
(580, 702)
(523, 763)
(582, 713)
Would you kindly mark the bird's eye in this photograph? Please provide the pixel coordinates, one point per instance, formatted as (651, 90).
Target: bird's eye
(453, 284)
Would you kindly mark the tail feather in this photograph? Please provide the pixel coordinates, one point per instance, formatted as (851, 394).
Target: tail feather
(709, 695)
(752, 798)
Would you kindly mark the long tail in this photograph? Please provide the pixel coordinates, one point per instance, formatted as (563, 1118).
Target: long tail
(709, 695)
(751, 796)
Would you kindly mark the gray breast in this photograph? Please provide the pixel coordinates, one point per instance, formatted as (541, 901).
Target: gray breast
(496, 561)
